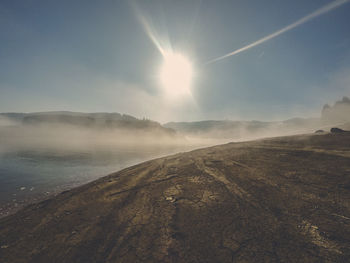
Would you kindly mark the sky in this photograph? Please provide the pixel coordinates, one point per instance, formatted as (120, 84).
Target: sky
(102, 56)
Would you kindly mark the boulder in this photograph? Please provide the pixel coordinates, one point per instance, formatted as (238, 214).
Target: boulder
(337, 130)
(319, 131)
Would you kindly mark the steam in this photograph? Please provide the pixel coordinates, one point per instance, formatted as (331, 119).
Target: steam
(79, 139)
(214, 132)
(339, 112)
(5, 122)
(96, 132)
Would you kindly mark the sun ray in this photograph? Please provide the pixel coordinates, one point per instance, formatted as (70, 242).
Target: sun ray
(325, 9)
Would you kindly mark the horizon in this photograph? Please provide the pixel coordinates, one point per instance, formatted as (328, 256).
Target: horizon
(162, 123)
(180, 121)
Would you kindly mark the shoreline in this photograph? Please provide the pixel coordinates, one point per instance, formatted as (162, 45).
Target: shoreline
(14, 205)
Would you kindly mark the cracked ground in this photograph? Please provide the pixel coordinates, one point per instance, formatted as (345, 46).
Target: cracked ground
(284, 199)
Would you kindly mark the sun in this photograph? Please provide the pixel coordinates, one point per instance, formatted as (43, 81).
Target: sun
(176, 74)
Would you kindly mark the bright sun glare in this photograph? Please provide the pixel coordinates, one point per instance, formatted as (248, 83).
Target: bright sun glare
(176, 74)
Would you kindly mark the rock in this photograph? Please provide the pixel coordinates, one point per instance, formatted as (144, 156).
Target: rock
(337, 130)
(319, 131)
(170, 199)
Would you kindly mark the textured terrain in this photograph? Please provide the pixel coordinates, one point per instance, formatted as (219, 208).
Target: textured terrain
(285, 199)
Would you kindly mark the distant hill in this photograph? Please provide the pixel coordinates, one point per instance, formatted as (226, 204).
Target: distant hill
(244, 129)
(76, 131)
(91, 120)
(337, 115)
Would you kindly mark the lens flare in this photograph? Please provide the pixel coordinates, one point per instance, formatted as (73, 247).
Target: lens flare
(323, 10)
(176, 72)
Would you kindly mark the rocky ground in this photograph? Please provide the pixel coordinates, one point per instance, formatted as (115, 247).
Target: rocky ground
(285, 199)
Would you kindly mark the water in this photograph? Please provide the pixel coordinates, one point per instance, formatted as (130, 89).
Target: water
(29, 176)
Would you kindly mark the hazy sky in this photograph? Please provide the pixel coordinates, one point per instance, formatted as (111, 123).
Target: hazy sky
(97, 56)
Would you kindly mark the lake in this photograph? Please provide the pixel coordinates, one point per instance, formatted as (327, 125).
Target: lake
(33, 175)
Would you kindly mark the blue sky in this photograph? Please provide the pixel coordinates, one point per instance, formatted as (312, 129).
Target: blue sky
(96, 56)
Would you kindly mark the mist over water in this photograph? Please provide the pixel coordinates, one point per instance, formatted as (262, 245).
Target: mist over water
(45, 153)
(37, 161)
